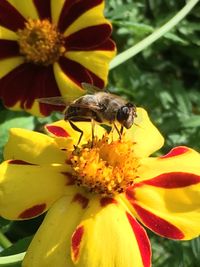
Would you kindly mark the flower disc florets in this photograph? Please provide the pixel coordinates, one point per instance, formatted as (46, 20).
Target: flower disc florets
(107, 168)
(40, 42)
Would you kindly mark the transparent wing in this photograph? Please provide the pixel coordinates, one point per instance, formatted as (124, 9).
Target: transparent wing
(90, 88)
(55, 100)
(62, 101)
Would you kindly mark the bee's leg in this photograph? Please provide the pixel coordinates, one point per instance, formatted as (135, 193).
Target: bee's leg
(78, 130)
(121, 130)
(93, 127)
(118, 131)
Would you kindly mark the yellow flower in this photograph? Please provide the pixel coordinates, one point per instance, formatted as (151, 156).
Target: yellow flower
(97, 195)
(49, 47)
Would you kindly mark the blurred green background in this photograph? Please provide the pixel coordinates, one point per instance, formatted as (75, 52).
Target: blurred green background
(164, 79)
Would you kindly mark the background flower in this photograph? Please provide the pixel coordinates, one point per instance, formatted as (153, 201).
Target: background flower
(48, 47)
(86, 228)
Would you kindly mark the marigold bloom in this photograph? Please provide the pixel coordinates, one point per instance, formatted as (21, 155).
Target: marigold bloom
(49, 47)
(98, 194)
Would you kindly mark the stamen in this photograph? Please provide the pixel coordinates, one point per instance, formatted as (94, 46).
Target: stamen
(40, 42)
(107, 168)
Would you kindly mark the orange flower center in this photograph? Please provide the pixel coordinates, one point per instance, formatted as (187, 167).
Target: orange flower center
(40, 42)
(107, 168)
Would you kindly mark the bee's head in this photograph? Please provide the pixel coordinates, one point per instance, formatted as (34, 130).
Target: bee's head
(126, 115)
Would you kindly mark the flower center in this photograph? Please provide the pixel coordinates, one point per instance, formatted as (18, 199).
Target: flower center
(107, 168)
(40, 42)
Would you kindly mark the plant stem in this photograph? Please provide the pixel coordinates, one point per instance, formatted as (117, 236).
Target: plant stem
(11, 260)
(4, 241)
(132, 51)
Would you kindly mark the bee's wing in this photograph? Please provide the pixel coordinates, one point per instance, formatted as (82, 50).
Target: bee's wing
(55, 100)
(90, 88)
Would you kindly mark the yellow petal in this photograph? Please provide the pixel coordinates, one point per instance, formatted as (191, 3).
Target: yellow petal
(9, 64)
(67, 86)
(62, 129)
(7, 34)
(33, 147)
(56, 7)
(95, 61)
(51, 244)
(102, 234)
(93, 16)
(167, 196)
(27, 190)
(26, 8)
(145, 135)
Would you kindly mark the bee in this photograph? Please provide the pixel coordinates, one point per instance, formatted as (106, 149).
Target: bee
(96, 106)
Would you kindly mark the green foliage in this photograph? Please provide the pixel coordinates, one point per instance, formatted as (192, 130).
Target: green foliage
(164, 79)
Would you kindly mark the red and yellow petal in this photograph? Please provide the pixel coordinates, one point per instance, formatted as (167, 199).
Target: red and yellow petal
(27, 190)
(72, 12)
(9, 15)
(146, 137)
(26, 8)
(18, 93)
(33, 147)
(62, 130)
(51, 244)
(95, 61)
(166, 197)
(99, 233)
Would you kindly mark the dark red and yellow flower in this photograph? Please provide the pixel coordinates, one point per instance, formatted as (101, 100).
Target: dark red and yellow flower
(97, 195)
(49, 47)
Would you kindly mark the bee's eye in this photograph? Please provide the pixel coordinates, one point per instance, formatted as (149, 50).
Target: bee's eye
(123, 113)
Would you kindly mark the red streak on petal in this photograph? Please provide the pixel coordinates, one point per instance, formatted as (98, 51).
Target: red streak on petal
(104, 201)
(75, 242)
(75, 71)
(72, 10)
(43, 8)
(10, 17)
(57, 131)
(175, 152)
(70, 178)
(157, 224)
(142, 240)
(8, 49)
(173, 180)
(33, 211)
(19, 162)
(83, 201)
(88, 38)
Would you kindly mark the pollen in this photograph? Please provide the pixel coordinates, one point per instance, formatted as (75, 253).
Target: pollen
(40, 42)
(106, 168)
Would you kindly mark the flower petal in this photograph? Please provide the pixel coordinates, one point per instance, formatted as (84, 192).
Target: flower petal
(10, 17)
(71, 11)
(95, 61)
(33, 147)
(17, 91)
(144, 134)
(167, 196)
(91, 17)
(25, 8)
(62, 129)
(54, 235)
(67, 86)
(8, 48)
(9, 64)
(43, 8)
(88, 38)
(7, 34)
(93, 235)
(27, 190)
(56, 7)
